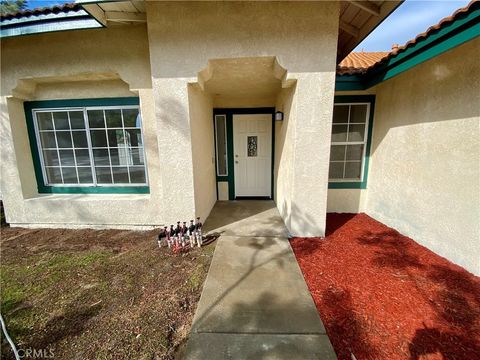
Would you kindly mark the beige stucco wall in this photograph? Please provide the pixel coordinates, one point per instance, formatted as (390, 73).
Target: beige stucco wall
(424, 170)
(203, 150)
(219, 30)
(78, 64)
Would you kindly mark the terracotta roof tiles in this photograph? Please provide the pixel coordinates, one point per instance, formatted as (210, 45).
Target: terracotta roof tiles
(42, 11)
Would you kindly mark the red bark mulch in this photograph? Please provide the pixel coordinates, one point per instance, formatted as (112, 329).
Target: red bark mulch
(383, 296)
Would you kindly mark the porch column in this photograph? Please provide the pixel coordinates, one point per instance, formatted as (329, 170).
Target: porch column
(175, 148)
(311, 112)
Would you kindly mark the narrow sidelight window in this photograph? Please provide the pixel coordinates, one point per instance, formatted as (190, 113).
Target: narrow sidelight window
(349, 141)
(91, 146)
(221, 144)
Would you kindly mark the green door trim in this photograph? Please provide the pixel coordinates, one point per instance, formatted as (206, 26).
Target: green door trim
(229, 112)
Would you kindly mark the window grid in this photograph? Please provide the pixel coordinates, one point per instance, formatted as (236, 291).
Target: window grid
(87, 130)
(347, 143)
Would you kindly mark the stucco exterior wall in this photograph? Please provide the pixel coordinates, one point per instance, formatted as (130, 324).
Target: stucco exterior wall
(219, 30)
(79, 64)
(425, 159)
(203, 150)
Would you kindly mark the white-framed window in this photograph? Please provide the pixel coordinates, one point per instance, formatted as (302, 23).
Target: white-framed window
(349, 141)
(221, 144)
(91, 146)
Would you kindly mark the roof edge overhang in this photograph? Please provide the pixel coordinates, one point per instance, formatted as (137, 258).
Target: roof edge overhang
(72, 19)
(464, 27)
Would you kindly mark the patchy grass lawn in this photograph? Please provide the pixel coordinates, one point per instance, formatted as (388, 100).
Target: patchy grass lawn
(98, 294)
(383, 296)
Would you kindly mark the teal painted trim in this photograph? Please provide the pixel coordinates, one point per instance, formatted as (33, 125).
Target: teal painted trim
(114, 101)
(349, 82)
(464, 28)
(360, 99)
(47, 189)
(229, 112)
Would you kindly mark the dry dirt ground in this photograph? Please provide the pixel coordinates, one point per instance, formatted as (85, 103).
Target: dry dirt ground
(98, 294)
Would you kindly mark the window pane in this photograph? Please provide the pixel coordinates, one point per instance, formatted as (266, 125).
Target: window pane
(76, 120)
(123, 156)
(131, 118)
(337, 152)
(45, 120)
(358, 114)
(221, 142)
(104, 175)
(353, 170)
(69, 175)
(99, 138)
(50, 157)
(137, 175)
(133, 137)
(48, 140)
(354, 152)
(66, 157)
(80, 139)
(85, 175)
(120, 175)
(115, 138)
(64, 139)
(100, 157)
(114, 118)
(339, 133)
(83, 157)
(356, 132)
(61, 120)
(53, 175)
(340, 114)
(95, 118)
(336, 170)
(137, 156)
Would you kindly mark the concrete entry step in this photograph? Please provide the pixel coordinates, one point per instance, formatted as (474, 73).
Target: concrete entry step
(255, 303)
(246, 218)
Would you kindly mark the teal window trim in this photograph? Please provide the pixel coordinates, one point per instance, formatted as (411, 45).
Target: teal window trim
(339, 99)
(29, 106)
(229, 112)
(465, 27)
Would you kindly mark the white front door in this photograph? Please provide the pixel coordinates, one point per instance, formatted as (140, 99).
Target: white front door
(252, 139)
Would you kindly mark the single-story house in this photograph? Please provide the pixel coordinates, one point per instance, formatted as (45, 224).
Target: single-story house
(135, 114)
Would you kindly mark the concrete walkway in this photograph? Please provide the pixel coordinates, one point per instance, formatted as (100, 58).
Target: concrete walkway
(255, 303)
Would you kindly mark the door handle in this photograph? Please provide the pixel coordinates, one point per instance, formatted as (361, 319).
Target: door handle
(236, 155)
(236, 162)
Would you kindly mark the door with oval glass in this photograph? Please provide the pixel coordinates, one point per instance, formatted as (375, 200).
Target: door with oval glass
(252, 139)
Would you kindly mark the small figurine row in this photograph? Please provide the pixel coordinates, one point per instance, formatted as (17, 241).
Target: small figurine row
(178, 238)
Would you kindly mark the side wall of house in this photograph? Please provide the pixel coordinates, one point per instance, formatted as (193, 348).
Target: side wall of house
(424, 171)
(112, 62)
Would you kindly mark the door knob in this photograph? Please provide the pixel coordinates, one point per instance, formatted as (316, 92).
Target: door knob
(236, 155)
(236, 162)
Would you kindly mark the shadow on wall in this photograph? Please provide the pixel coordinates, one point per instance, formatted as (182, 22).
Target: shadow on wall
(170, 108)
(297, 217)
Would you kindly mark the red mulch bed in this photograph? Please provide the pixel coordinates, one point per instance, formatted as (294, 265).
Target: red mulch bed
(383, 296)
